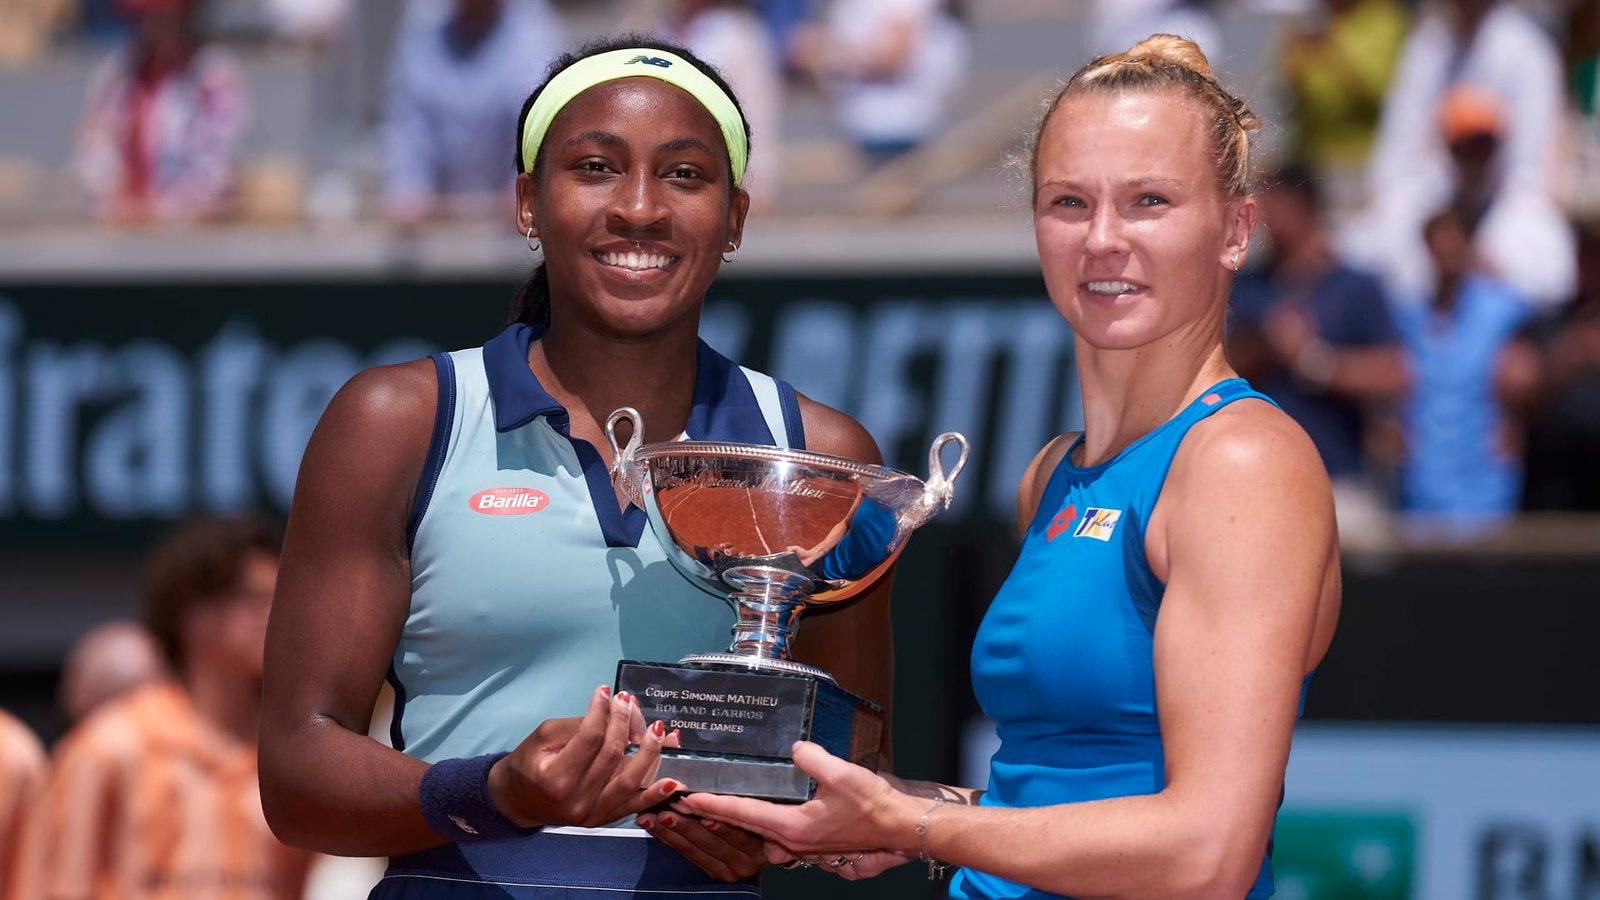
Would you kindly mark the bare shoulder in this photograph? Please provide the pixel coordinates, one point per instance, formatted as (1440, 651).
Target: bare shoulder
(831, 431)
(382, 412)
(1248, 469)
(397, 393)
(1251, 443)
(1034, 479)
(369, 449)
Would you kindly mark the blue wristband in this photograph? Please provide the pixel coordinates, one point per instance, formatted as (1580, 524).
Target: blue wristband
(455, 801)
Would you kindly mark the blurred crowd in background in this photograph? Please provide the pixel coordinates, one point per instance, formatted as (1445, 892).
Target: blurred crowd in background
(1426, 299)
(1427, 304)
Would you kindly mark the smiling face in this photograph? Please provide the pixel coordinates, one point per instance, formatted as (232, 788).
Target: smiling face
(1136, 237)
(631, 202)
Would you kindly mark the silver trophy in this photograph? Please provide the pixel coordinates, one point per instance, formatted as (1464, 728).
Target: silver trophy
(772, 532)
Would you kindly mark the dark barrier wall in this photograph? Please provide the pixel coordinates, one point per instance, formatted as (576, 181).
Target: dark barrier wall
(123, 408)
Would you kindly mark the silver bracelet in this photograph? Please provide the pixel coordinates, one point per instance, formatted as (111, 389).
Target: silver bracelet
(936, 869)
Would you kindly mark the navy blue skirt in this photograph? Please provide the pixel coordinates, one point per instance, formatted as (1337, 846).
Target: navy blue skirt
(555, 864)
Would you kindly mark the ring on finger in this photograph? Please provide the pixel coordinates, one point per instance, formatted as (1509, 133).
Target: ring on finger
(841, 861)
(799, 864)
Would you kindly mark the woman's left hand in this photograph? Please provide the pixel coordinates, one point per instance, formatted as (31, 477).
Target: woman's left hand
(852, 809)
(722, 851)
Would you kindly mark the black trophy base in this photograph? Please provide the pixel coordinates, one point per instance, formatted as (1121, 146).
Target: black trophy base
(736, 725)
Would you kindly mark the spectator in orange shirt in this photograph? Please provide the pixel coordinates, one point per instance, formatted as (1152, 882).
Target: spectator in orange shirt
(104, 662)
(155, 792)
(22, 780)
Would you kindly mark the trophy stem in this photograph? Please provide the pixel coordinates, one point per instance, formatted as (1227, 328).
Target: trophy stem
(769, 603)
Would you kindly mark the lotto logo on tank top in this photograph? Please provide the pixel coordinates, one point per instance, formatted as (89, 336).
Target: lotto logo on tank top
(1098, 523)
(508, 501)
(1060, 523)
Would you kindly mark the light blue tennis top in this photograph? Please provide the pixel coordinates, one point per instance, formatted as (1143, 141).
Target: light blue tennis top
(1455, 464)
(528, 582)
(1064, 660)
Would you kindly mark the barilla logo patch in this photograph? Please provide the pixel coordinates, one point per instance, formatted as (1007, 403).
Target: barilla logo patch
(1098, 523)
(1060, 523)
(650, 61)
(508, 501)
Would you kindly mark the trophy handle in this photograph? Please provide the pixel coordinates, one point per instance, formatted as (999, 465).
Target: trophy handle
(625, 469)
(941, 485)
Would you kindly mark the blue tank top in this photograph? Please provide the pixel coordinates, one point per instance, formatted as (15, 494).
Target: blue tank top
(528, 583)
(1064, 659)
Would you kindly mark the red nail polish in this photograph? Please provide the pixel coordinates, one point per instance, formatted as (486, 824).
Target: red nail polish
(670, 787)
(605, 690)
(710, 824)
(644, 822)
(658, 728)
(625, 696)
(669, 821)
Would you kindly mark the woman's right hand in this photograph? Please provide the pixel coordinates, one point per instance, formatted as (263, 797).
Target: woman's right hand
(578, 772)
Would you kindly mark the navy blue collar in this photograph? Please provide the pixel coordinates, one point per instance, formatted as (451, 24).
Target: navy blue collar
(724, 407)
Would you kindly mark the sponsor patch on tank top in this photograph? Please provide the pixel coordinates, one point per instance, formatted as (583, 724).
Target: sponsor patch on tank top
(508, 501)
(1098, 523)
(1061, 522)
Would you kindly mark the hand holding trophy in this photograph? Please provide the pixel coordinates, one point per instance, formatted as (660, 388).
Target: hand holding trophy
(772, 532)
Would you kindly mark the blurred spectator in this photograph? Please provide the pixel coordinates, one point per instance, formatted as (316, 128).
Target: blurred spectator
(782, 17)
(108, 660)
(1564, 438)
(1471, 68)
(162, 124)
(1316, 336)
(1520, 235)
(155, 793)
(22, 783)
(1496, 46)
(1117, 24)
(26, 27)
(730, 36)
(889, 67)
(314, 23)
(1337, 71)
(1474, 376)
(459, 74)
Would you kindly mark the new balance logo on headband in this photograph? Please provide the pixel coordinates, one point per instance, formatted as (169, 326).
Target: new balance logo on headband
(650, 61)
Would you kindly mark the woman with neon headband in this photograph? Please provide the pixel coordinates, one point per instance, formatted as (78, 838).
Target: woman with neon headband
(455, 531)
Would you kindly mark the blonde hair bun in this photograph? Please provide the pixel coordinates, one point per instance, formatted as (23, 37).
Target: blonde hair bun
(1168, 49)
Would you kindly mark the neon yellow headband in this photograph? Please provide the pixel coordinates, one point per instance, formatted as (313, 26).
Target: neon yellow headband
(639, 63)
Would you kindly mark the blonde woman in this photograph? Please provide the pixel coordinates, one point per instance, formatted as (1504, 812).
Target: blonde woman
(1179, 575)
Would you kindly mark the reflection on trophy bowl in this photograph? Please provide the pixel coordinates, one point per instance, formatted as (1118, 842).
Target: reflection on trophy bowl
(775, 531)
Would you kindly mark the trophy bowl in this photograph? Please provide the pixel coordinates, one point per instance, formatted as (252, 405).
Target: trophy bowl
(772, 532)
(775, 531)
